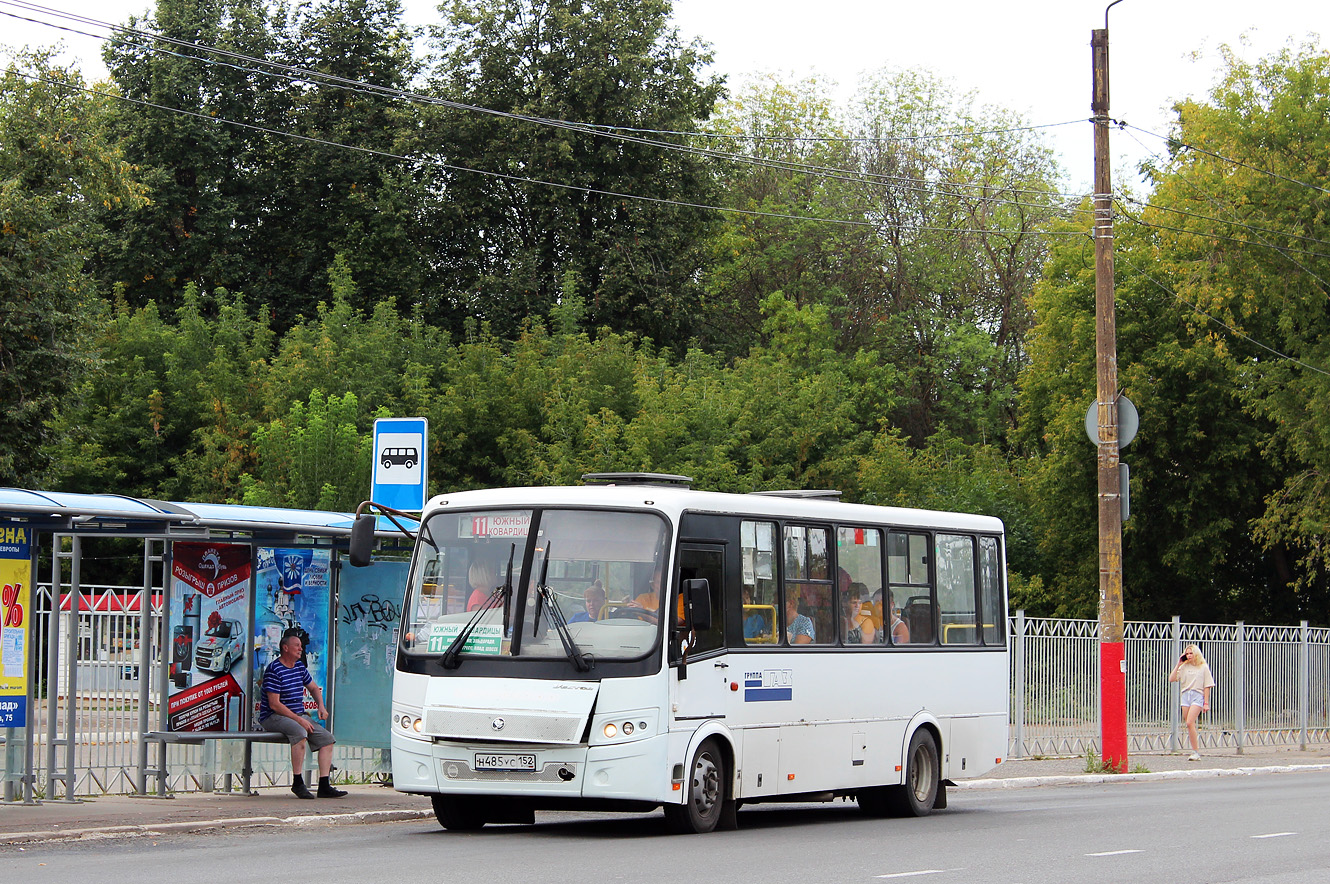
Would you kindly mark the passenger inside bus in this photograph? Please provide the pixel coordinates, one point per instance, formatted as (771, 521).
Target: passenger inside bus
(798, 627)
(483, 582)
(858, 616)
(757, 618)
(900, 630)
(594, 599)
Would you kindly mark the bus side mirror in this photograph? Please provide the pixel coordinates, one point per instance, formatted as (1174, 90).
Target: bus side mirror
(697, 594)
(362, 540)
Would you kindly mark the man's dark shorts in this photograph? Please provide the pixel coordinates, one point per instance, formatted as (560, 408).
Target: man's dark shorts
(318, 737)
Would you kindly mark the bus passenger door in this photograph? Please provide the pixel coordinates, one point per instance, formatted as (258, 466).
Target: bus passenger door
(702, 676)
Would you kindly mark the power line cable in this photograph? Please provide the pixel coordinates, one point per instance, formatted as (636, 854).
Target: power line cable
(296, 74)
(1283, 251)
(1176, 211)
(1191, 147)
(506, 176)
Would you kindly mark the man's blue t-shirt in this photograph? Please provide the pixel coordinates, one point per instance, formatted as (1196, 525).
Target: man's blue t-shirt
(288, 683)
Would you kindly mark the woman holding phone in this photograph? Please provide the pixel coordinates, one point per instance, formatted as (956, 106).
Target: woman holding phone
(1193, 676)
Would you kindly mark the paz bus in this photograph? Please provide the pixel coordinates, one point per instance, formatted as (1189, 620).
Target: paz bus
(633, 644)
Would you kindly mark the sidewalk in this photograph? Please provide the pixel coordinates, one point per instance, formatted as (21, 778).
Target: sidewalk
(126, 816)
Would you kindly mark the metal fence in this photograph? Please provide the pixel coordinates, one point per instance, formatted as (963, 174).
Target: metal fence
(1272, 686)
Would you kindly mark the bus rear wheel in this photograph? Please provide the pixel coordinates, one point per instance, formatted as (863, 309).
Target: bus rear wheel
(918, 794)
(705, 804)
(457, 814)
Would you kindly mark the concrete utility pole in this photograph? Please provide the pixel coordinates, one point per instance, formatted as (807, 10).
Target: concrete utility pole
(1112, 650)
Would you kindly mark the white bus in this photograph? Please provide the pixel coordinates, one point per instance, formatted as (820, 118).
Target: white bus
(633, 644)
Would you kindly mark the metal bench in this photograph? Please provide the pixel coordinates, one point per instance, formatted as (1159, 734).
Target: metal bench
(199, 738)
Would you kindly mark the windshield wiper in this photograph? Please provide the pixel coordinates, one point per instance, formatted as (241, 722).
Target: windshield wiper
(452, 657)
(581, 661)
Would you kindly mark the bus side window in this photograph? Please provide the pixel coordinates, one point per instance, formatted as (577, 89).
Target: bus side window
(956, 589)
(908, 572)
(695, 563)
(993, 616)
(760, 606)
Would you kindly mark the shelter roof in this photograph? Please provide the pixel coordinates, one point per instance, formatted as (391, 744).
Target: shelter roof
(120, 515)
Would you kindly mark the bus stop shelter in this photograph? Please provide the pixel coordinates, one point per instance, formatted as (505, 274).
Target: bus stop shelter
(95, 675)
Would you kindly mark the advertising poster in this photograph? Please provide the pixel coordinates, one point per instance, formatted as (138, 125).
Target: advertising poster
(15, 614)
(293, 597)
(208, 669)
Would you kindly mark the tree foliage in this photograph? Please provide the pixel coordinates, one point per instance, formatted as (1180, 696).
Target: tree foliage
(266, 163)
(1243, 229)
(59, 170)
(529, 204)
(914, 218)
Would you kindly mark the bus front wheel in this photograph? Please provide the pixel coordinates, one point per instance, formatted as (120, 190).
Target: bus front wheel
(918, 794)
(705, 806)
(457, 814)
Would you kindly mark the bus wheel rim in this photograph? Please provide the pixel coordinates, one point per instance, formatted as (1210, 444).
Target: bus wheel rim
(706, 784)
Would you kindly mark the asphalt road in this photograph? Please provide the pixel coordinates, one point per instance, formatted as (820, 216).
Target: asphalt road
(1235, 829)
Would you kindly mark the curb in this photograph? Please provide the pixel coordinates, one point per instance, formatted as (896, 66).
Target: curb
(250, 822)
(1096, 779)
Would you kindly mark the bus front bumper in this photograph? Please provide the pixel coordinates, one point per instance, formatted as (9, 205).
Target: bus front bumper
(632, 771)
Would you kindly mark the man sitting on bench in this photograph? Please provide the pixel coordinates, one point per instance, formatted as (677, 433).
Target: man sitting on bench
(281, 710)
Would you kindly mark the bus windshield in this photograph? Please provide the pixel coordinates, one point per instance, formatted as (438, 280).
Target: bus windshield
(482, 572)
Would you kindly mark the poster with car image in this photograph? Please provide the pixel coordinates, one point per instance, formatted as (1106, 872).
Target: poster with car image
(293, 595)
(209, 663)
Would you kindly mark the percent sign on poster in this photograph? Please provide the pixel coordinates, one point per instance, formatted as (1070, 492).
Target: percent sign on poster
(13, 610)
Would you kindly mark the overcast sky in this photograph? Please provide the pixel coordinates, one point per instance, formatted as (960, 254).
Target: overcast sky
(1030, 56)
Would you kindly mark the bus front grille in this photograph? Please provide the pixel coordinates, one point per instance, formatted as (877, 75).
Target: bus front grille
(520, 727)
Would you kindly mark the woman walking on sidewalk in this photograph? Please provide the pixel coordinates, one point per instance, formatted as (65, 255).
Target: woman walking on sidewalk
(1194, 678)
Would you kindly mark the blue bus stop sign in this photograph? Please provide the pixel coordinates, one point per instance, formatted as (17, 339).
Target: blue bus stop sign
(401, 466)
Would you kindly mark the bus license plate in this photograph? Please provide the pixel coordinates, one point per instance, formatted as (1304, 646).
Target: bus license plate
(491, 761)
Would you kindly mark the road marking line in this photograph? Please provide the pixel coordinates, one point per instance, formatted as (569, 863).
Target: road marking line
(1275, 835)
(1113, 853)
(922, 872)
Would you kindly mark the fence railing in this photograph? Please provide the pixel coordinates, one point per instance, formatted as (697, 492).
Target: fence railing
(1272, 685)
(1273, 688)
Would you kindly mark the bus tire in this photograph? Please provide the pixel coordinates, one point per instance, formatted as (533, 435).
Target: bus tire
(457, 814)
(704, 801)
(922, 777)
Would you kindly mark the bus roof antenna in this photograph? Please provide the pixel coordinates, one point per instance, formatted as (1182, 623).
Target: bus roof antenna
(664, 479)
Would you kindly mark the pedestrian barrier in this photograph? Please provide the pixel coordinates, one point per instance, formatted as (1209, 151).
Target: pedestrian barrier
(1272, 686)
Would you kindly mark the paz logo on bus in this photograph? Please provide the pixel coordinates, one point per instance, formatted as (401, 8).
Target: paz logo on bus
(768, 685)
(497, 724)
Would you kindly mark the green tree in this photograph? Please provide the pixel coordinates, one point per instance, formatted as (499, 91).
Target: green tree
(328, 200)
(962, 198)
(313, 458)
(505, 243)
(255, 212)
(788, 140)
(58, 170)
(1196, 472)
(204, 175)
(1243, 229)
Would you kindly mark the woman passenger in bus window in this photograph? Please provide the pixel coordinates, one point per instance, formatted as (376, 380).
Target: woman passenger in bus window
(483, 582)
(858, 616)
(799, 627)
(900, 632)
